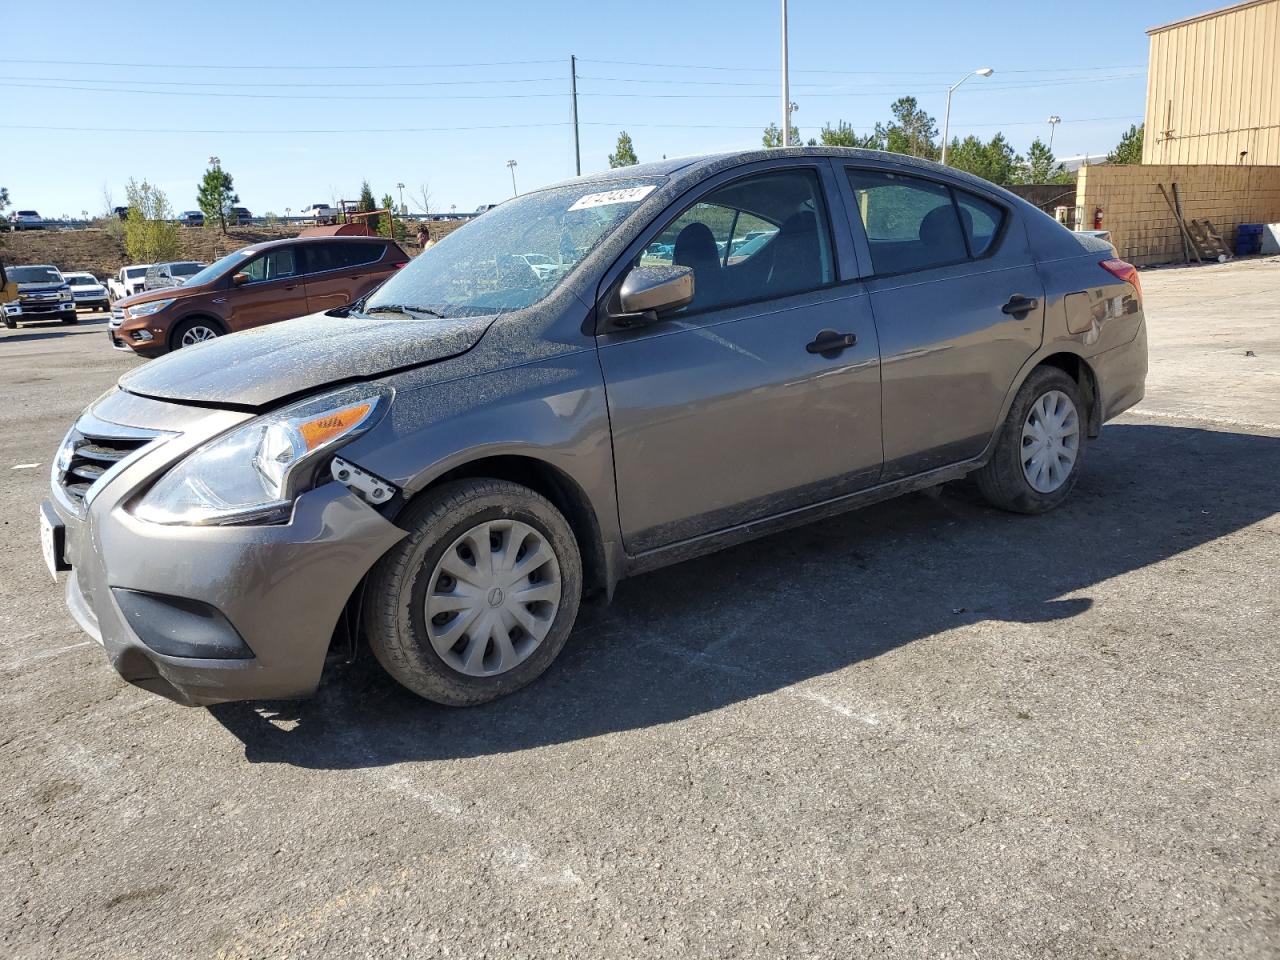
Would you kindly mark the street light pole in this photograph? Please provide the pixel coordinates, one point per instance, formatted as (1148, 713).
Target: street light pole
(400, 187)
(1053, 125)
(946, 123)
(786, 83)
(511, 165)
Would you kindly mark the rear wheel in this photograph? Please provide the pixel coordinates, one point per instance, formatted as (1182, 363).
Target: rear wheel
(1040, 448)
(479, 599)
(191, 332)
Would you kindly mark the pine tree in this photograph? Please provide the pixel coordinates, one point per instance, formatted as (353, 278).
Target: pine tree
(1129, 149)
(625, 155)
(216, 196)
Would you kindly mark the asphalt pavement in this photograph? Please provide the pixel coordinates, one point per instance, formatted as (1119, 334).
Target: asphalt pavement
(927, 729)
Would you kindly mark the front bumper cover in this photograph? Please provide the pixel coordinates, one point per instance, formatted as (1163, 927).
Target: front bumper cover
(280, 588)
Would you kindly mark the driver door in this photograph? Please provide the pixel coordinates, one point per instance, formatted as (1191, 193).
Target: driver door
(724, 412)
(272, 291)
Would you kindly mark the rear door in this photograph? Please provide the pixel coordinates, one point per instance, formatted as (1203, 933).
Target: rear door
(341, 271)
(273, 290)
(959, 307)
(728, 411)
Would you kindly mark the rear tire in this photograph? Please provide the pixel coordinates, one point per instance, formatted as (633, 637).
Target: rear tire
(438, 658)
(1040, 447)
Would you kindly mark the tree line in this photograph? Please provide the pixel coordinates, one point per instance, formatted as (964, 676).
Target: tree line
(914, 132)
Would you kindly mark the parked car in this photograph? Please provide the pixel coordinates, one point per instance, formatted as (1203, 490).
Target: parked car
(162, 276)
(240, 216)
(255, 285)
(457, 459)
(127, 281)
(319, 213)
(43, 294)
(27, 220)
(88, 291)
(485, 208)
(192, 218)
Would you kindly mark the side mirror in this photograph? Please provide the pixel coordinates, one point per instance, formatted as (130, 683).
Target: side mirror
(239, 279)
(649, 292)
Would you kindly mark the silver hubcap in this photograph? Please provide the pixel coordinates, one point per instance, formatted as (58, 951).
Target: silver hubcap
(1050, 441)
(492, 598)
(198, 335)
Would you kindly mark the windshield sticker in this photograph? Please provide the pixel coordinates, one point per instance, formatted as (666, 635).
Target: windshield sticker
(610, 197)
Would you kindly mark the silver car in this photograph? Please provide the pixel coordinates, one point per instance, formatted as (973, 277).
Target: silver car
(449, 467)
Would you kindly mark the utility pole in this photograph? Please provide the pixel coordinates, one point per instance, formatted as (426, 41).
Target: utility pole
(786, 83)
(573, 96)
(511, 165)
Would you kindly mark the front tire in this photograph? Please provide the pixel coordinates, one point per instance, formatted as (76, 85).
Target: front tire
(191, 332)
(1040, 448)
(480, 598)
(70, 318)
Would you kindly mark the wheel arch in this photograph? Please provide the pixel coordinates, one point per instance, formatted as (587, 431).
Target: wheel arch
(598, 575)
(1079, 370)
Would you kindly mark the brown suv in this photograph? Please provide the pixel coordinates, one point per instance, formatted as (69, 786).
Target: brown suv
(255, 285)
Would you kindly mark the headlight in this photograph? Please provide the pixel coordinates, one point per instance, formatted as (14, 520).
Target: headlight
(147, 309)
(64, 294)
(253, 473)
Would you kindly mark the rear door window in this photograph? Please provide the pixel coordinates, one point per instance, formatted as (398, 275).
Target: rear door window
(911, 223)
(356, 254)
(981, 221)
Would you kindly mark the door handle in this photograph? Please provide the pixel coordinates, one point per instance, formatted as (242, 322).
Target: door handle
(1019, 304)
(830, 344)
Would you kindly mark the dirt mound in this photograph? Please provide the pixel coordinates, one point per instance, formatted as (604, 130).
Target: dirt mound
(102, 253)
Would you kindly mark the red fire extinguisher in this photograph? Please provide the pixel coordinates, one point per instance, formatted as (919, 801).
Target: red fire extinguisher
(1097, 218)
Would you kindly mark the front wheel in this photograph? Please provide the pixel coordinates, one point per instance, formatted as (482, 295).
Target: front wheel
(191, 332)
(1040, 448)
(71, 317)
(479, 599)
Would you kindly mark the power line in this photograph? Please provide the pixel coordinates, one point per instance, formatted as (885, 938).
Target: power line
(300, 84)
(702, 66)
(597, 94)
(277, 66)
(501, 126)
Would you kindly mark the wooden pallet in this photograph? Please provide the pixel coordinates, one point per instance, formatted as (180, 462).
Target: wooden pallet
(1208, 239)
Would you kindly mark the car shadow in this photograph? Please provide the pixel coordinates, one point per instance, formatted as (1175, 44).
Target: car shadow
(765, 615)
(30, 331)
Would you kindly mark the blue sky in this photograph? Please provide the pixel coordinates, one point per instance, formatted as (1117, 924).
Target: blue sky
(455, 90)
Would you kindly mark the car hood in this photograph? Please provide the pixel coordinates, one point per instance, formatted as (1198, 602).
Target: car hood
(258, 367)
(42, 286)
(161, 293)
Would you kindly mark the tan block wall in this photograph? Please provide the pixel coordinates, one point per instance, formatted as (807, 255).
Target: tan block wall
(1142, 226)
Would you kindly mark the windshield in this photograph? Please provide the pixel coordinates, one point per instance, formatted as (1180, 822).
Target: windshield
(184, 269)
(80, 279)
(34, 275)
(488, 266)
(133, 273)
(215, 269)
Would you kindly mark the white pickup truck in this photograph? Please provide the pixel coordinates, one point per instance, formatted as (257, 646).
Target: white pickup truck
(128, 281)
(319, 213)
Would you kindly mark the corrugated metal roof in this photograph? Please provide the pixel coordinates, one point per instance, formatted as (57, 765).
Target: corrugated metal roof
(1208, 15)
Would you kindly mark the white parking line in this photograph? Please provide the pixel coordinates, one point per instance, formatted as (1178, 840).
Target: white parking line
(24, 466)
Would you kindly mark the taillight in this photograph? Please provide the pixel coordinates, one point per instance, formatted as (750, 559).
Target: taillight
(400, 266)
(1123, 270)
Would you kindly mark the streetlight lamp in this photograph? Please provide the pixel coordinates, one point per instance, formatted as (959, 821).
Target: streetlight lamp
(946, 123)
(1053, 125)
(511, 165)
(214, 162)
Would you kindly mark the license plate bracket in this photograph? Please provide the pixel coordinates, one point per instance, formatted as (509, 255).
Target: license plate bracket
(53, 541)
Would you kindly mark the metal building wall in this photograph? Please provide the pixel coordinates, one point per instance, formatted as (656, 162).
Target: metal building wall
(1213, 88)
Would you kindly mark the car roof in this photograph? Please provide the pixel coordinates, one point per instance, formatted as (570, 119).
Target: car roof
(698, 166)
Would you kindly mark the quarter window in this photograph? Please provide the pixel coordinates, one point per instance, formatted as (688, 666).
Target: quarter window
(757, 238)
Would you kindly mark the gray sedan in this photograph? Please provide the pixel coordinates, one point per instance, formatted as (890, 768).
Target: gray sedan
(708, 350)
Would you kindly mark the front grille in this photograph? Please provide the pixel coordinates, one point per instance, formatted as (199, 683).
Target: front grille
(84, 458)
